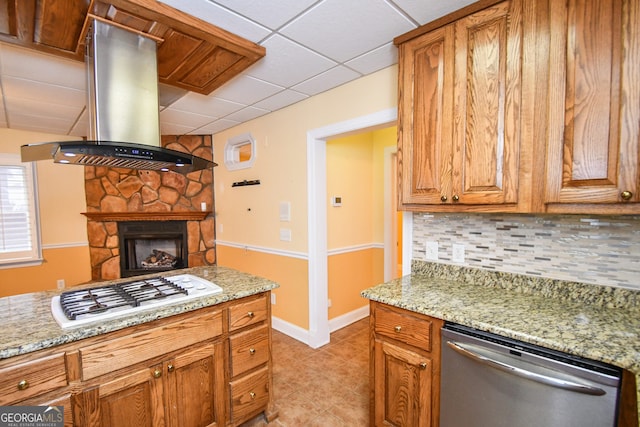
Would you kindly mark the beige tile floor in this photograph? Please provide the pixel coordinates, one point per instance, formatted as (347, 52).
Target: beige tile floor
(324, 387)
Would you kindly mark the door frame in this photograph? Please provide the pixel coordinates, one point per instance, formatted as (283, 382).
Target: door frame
(319, 333)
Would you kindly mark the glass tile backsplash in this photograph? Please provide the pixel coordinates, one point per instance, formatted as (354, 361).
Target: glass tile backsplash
(602, 250)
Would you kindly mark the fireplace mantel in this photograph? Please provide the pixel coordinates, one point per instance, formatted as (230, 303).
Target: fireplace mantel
(147, 216)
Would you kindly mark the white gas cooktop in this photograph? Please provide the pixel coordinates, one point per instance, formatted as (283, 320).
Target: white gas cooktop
(84, 306)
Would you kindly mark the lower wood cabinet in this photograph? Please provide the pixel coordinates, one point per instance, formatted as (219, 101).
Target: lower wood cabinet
(134, 397)
(186, 390)
(195, 387)
(405, 367)
(209, 367)
(250, 382)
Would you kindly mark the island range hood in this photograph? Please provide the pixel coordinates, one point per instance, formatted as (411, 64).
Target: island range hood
(122, 102)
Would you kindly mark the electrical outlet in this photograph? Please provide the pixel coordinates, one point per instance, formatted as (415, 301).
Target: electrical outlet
(457, 253)
(273, 299)
(61, 284)
(329, 303)
(431, 251)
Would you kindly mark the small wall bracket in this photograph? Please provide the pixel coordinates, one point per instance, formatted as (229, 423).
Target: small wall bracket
(245, 183)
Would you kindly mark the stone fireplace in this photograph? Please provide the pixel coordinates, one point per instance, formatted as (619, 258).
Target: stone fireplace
(116, 196)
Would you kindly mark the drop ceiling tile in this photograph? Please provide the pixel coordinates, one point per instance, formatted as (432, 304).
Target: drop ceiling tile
(288, 63)
(172, 116)
(274, 16)
(327, 80)
(281, 100)
(217, 126)
(247, 114)
(374, 60)
(425, 12)
(39, 123)
(246, 90)
(30, 107)
(174, 129)
(36, 66)
(3, 117)
(344, 30)
(206, 105)
(81, 127)
(15, 88)
(221, 17)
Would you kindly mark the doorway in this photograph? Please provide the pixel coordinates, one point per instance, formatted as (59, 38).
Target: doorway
(319, 331)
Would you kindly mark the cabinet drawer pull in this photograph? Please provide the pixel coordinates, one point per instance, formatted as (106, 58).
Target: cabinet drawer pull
(157, 373)
(252, 394)
(398, 328)
(250, 314)
(626, 195)
(170, 367)
(443, 198)
(423, 365)
(455, 198)
(252, 351)
(23, 385)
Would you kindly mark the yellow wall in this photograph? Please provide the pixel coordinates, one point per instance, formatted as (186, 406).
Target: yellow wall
(350, 175)
(249, 216)
(348, 274)
(63, 227)
(355, 166)
(290, 273)
(69, 263)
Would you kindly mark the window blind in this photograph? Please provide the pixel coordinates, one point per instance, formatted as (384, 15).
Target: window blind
(18, 221)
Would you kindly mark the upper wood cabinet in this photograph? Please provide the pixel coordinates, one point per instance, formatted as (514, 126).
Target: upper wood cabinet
(459, 111)
(593, 106)
(192, 54)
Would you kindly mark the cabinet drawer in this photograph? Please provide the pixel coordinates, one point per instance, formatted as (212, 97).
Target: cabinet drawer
(249, 349)
(32, 378)
(248, 313)
(413, 330)
(113, 354)
(249, 395)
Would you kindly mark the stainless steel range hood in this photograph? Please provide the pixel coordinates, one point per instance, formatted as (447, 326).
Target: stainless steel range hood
(124, 124)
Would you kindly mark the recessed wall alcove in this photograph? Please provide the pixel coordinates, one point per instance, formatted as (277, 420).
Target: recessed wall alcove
(114, 195)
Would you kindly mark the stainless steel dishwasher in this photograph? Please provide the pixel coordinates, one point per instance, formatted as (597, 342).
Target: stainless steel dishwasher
(492, 381)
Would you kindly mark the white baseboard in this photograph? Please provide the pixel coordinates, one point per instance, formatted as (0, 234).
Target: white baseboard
(295, 332)
(302, 335)
(348, 318)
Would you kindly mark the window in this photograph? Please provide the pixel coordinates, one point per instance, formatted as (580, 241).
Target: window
(240, 152)
(19, 228)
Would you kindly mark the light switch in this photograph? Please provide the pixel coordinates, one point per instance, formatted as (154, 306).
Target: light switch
(285, 211)
(336, 201)
(285, 234)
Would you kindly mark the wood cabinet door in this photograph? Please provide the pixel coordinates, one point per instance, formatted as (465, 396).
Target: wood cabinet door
(459, 110)
(486, 130)
(135, 398)
(64, 401)
(594, 112)
(403, 392)
(195, 387)
(425, 112)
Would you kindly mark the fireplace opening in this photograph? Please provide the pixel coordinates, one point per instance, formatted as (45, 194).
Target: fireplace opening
(150, 246)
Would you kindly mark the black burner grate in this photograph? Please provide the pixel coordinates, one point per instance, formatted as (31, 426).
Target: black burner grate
(130, 294)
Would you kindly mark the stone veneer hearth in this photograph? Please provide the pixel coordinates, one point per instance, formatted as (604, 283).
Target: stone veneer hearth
(116, 194)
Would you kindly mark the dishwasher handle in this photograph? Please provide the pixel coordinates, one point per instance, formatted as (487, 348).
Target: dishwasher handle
(533, 376)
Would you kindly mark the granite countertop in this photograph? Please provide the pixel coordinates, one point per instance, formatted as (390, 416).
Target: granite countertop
(27, 324)
(591, 321)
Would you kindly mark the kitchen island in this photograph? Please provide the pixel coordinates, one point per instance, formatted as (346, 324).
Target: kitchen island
(595, 322)
(207, 360)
